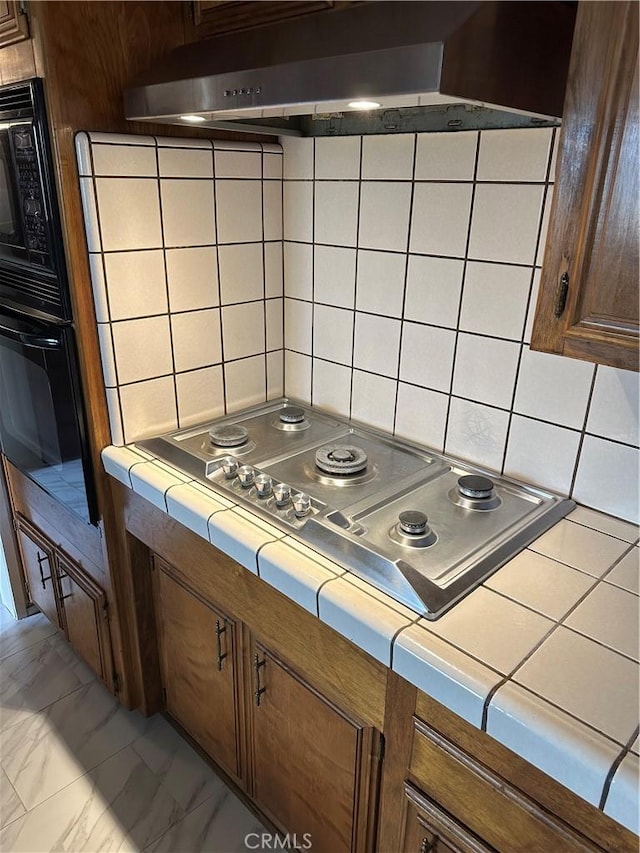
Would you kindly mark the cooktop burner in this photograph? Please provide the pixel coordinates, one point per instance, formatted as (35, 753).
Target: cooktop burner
(422, 527)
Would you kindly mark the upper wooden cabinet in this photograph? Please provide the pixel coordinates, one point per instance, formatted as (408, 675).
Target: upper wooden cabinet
(213, 17)
(588, 302)
(14, 25)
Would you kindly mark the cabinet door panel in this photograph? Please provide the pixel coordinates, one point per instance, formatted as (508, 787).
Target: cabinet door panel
(309, 760)
(197, 665)
(83, 611)
(37, 561)
(428, 829)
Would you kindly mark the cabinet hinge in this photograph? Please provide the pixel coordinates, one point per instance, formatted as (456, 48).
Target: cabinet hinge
(14, 522)
(105, 611)
(561, 295)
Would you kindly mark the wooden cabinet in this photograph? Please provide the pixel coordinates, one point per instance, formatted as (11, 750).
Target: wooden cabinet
(310, 761)
(68, 596)
(197, 647)
(14, 25)
(429, 829)
(214, 17)
(588, 302)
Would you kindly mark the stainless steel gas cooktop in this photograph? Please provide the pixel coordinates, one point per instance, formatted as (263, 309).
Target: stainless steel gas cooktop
(422, 527)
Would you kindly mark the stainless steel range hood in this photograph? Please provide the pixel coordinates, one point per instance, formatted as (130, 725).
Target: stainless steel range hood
(403, 56)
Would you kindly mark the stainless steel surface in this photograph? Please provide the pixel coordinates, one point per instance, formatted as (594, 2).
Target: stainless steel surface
(422, 527)
(400, 54)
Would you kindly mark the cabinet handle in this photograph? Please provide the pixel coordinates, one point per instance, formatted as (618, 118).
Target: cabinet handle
(41, 558)
(258, 664)
(220, 630)
(429, 846)
(561, 295)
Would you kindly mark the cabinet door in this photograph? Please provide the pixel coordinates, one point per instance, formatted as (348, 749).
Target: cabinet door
(213, 17)
(314, 770)
(84, 615)
(429, 829)
(197, 648)
(38, 564)
(588, 303)
(13, 23)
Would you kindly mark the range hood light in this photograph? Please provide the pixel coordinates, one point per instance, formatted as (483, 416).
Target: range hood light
(364, 105)
(192, 118)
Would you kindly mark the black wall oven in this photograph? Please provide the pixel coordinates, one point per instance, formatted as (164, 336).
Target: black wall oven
(42, 418)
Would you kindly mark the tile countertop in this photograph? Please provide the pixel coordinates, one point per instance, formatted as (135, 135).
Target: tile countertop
(543, 656)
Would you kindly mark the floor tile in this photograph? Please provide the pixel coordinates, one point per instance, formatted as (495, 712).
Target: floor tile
(621, 631)
(219, 825)
(581, 547)
(11, 806)
(47, 751)
(22, 634)
(118, 806)
(588, 680)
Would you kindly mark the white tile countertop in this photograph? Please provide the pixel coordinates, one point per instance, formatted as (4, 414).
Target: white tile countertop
(544, 656)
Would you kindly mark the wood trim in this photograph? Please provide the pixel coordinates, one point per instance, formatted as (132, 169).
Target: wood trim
(437, 822)
(10, 545)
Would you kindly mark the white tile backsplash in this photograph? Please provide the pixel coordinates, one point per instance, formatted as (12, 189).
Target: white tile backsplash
(196, 339)
(355, 196)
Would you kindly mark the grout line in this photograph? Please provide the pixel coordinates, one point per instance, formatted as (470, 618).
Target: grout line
(583, 432)
(217, 245)
(355, 288)
(614, 768)
(264, 275)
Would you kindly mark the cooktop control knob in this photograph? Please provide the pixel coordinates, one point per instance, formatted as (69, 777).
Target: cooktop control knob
(264, 485)
(282, 494)
(246, 475)
(301, 504)
(474, 486)
(413, 522)
(230, 468)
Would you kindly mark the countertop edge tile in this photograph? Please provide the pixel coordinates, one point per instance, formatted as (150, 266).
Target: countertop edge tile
(191, 508)
(622, 800)
(294, 575)
(118, 461)
(151, 481)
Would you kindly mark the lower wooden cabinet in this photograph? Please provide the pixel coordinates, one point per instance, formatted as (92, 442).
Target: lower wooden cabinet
(428, 829)
(68, 596)
(197, 646)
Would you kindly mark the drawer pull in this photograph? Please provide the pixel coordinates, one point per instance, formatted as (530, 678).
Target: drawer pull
(258, 664)
(41, 558)
(220, 630)
(429, 846)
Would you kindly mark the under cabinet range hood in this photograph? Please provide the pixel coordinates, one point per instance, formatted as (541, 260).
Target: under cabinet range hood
(411, 65)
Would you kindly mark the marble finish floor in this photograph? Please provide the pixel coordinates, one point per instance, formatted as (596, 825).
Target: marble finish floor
(80, 773)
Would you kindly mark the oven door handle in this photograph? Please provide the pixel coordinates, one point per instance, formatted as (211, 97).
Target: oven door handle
(28, 335)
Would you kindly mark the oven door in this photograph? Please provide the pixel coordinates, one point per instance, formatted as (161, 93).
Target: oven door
(41, 417)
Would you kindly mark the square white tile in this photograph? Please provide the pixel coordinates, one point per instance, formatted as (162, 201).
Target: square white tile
(196, 339)
(241, 273)
(443, 672)
(542, 454)
(613, 412)
(384, 215)
(440, 219)
(533, 301)
(619, 629)
(543, 584)
(243, 331)
(274, 319)
(388, 157)
(553, 388)
(588, 550)
(297, 325)
(239, 164)
(332, 386)
(368, 354)
(297, 376)
(275, 374)
(185, 163)
(298, 270)
(514, 154)
(148, 408)
(200, 395)
(626, 574)
(380, 282)
(505, 222)
(373, 400)
(421, 415)
(239, 211)
(192, 275)
(298, 211)
(336, 212)
(485, 369)
(151, 480)
(129, 214)
(298, 157)
(494, 630)
(605, 523)
(133, 161)
(446, 156)
(495, 300)
(427, 356)
(476, 433)
(433, 290)
(272, 166)
(607, 478)
(245, 383)
(272, 210)
(333, 334)
(142, 348)
(273, 269)
(136, 284)
(334, 278)
(187, 212)
(603, 687)
(339, 158)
